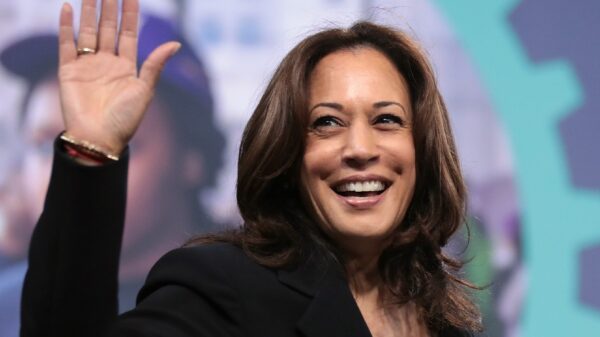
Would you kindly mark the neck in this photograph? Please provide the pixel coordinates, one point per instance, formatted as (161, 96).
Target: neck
(363, 273)
(383, 316)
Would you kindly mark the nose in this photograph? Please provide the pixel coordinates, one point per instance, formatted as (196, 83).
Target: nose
(361, 148)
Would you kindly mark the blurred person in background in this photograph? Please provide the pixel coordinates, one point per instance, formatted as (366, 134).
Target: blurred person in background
(178, 153)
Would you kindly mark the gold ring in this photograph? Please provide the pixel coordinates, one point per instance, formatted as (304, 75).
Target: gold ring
(85, 51)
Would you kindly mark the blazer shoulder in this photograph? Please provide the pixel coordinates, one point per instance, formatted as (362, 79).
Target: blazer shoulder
(197, 266)
(189, 292)
(220, 255)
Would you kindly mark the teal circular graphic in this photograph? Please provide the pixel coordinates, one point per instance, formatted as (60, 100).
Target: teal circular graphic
(541, 97)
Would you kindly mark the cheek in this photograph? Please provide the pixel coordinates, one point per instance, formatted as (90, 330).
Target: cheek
(319, 162)
(149, 173)
(150, 195)
(400, 155)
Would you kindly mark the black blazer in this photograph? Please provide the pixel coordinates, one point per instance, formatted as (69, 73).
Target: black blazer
(210, 290)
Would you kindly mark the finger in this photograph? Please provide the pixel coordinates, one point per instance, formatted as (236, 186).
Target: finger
(87, 25)
(154, 64)
(108, 26)
(66, 37)
(128, 36)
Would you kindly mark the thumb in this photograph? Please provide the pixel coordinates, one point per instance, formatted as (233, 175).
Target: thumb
(155, 62)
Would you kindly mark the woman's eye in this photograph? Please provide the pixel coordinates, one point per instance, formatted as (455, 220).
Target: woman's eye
(389, 119)
(325, 121)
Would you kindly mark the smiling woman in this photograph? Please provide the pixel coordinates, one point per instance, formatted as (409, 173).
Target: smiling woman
(348, 184)
(349, 154)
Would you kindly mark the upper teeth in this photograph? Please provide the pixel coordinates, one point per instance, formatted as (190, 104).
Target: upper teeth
(362, 186)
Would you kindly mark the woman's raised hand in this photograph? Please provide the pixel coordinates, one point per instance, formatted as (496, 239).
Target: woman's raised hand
(102, 95)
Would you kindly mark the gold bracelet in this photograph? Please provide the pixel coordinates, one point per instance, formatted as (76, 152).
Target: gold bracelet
(88, 147)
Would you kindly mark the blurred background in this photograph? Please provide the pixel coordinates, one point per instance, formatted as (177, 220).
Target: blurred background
(521, 80)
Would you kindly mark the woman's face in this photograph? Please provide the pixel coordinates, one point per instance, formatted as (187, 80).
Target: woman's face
(358, 170)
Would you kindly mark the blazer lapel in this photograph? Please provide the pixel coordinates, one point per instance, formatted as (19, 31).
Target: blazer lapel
(332, 311)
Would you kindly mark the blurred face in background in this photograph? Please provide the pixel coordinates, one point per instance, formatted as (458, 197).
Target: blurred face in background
(159, 178)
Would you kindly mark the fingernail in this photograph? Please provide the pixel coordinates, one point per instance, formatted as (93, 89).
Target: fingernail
(176, 49)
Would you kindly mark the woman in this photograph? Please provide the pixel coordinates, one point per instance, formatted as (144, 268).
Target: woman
(348, 184)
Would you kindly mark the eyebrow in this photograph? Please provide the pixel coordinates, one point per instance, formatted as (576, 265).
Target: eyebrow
(335, 106)
(383, 104)
(340, 107)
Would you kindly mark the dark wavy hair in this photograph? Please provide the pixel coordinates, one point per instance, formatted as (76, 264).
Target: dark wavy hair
(277, 229)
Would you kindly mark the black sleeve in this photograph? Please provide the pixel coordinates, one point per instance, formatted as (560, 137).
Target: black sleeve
(71, 283)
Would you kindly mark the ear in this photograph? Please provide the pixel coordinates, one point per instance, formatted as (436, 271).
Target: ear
(192, 168)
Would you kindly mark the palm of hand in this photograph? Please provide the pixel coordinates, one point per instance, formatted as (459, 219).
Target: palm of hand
(102, 93)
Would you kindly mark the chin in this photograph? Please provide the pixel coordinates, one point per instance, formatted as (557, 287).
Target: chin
(363, 234)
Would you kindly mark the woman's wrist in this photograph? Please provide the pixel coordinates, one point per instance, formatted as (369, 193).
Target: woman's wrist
(85, 152)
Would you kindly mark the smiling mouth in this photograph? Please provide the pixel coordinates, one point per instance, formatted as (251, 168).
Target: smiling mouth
(361, 188)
